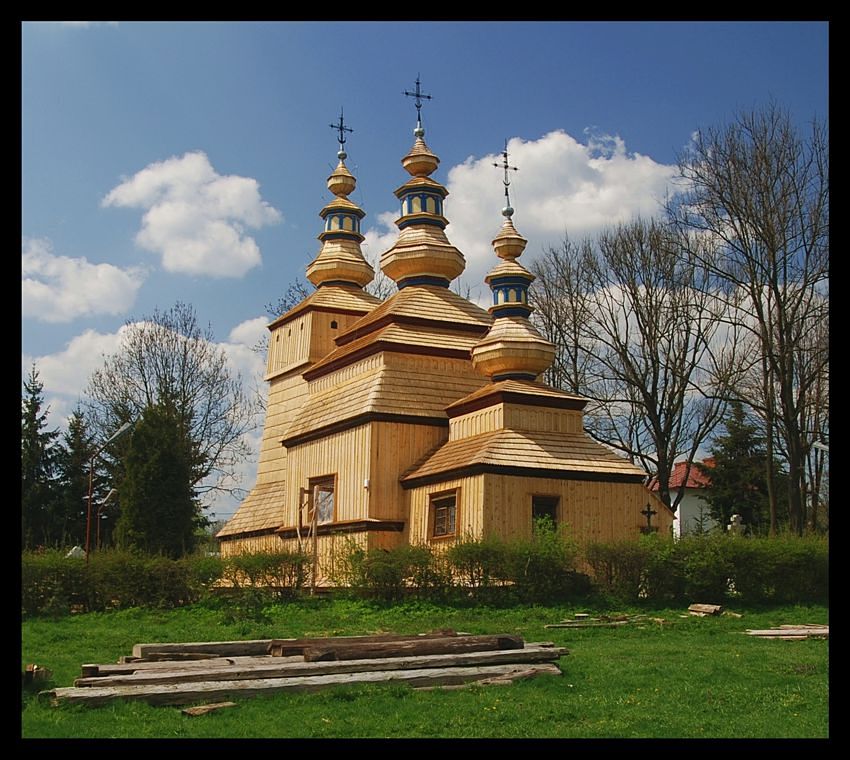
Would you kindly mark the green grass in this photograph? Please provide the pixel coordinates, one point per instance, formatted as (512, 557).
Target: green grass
(696, 677)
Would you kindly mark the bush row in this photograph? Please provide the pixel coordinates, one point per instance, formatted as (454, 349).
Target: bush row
(544, 568)
(52, 584)
(714, 568)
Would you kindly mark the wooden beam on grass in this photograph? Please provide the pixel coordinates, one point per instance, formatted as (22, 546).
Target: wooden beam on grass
(425, 646)
(185, 693)
(276, 667)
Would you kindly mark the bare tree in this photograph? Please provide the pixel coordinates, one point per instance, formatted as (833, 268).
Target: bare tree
(638, 332)
(761, 190)
(168, 355)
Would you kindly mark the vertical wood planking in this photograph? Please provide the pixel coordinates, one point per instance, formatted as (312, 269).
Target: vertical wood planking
(344, 454)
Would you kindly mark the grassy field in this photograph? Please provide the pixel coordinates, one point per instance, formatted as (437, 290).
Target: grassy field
(693, 677)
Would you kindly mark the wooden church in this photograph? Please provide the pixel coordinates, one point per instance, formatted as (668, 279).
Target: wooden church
(421, 419)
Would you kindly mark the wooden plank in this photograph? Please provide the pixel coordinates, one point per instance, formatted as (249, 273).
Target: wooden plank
(204, 709)
(505, 680)
(412, 647)
(706, 609)
(177, 657)
(813, 632)
(278, 667)
(289, 647)
(251, 647)
(111, 669)
(184, 693)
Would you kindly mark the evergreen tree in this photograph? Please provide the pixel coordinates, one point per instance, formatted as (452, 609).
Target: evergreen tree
(738, 478)
(159, 512)
(73, 479)
(38, 461)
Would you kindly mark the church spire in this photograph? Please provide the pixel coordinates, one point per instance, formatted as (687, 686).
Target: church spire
(422, 255)
(512, 349)
(340, 261)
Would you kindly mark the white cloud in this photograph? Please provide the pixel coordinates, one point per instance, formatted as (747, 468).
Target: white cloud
(60, 289)
(562, 186)
(249, 332)
(194, 217)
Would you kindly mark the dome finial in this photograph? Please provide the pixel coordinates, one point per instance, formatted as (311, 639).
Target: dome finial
(419, 95)
(507, 211)
(341, 129)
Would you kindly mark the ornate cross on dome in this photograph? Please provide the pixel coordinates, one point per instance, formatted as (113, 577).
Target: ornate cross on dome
(341, 129)
(419, 95)
(507, 211)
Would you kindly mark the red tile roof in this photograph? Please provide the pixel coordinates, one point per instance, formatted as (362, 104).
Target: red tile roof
(695, 478)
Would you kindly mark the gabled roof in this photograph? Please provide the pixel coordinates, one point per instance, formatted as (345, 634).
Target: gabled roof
(263, 509)
(346, 299)
(558, 455)
(696, 479)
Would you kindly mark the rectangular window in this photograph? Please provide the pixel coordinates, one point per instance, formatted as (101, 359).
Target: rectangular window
(322, 490)
(544, 508)
(444, 514)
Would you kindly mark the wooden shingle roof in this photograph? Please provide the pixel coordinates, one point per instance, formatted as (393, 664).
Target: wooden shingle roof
(348, 299)
(384, 390)
(561, 454)
(516, 391)
(263, 509)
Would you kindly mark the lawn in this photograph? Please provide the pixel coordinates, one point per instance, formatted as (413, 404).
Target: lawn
(691, 677)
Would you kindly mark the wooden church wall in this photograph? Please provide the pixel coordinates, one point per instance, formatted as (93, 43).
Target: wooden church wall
(593, 510)
(345, 455)
(268, 543)
(470, 516)
(396, 447)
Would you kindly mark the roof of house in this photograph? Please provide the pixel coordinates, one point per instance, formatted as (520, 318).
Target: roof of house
(263, 509)
(696, 479)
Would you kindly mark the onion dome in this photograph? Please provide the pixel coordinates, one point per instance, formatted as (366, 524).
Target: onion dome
(513, 348)
(422, 255)
(340, 261)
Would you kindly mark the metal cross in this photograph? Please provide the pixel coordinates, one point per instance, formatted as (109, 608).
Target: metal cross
(419, 95)
(341, 129)
(649, 512)
(504, 165)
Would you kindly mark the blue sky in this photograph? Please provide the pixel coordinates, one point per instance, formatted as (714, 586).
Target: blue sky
(229, 121)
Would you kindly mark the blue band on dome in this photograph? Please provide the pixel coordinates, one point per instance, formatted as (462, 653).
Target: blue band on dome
(402, 223)
(516, 280)
(338, 282)
(424, 279)
(510, 310)
(515, 376)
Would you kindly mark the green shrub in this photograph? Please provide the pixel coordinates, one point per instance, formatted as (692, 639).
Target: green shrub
(619, 567)
(281, 573)
(479, 563)
(542, 567)
(52, 584)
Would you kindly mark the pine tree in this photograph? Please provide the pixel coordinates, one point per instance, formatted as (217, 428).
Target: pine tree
(73, 480)
(38, 463)
(159, 512)
(738, 478)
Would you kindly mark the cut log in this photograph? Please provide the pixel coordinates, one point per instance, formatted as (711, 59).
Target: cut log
(706, 609)
(184, 693)
(289, 647)
(276, 667)
(252, 647)
(375, 649)
(204, 709)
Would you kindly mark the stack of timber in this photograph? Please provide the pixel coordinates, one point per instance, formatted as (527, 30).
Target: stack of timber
(582, 620)
(172, 673)
(792, 632)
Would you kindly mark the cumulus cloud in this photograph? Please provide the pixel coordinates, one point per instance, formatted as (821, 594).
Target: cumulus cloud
(249, 332)
(60, 289)
(562, 185)
(195, 218)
